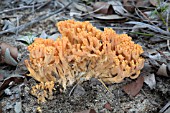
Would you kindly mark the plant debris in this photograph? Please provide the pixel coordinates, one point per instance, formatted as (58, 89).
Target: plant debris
(133, 88)
(147, 22)
(9, 54)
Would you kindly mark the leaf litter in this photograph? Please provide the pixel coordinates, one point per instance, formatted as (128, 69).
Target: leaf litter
(151, 33)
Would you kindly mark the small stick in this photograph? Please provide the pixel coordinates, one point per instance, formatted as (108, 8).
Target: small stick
(73, 89)
(19, 8)
(38, 19)
(165, 56)
(105, 86)
(17, 25)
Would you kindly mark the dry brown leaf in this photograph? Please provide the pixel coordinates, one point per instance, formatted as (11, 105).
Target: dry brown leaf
(133, 88)
(13, 50)
(8, 54)
(87, 111)
(104, 7)
(131, 4)
(128, 5)
(16, 79)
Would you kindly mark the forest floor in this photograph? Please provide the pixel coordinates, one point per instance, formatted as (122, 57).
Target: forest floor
(21, 21)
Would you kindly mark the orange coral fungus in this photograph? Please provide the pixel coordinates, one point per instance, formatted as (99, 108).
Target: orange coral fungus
(83, 52)
(43, 91)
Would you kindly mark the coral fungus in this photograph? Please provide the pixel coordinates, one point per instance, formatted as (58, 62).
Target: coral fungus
(83, 52)
(43, 91)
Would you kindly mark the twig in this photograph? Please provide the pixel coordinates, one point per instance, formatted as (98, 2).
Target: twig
(165, 56)
(105, 86)
(38, 19)
(73, 88)
(17, 25)
(144, 17)
(151, 27)
(19, 8)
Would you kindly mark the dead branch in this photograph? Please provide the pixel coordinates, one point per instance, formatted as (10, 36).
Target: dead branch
(19, 8)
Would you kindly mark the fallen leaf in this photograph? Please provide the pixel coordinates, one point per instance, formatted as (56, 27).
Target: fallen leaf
(9, 54)
(108, 106)
(13, 50)
(82, 7)
(131, 4)
(118, 7)
(150, 80)
(104, 8)
(108, 17)
(128, 5)
(27, 39)
(16, 79)
(162, 70)
(133, 88)
(87, 111)
(9, 59)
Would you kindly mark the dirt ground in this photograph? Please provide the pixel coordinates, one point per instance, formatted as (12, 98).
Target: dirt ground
(92, 94)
